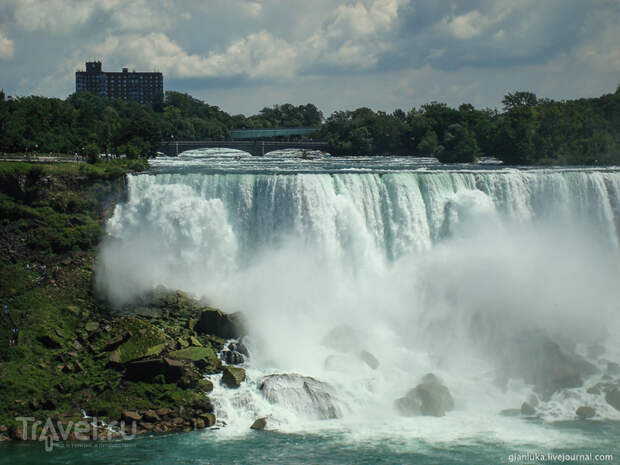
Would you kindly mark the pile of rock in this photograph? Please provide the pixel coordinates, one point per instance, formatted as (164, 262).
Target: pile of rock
(169, 419)
(162, 420)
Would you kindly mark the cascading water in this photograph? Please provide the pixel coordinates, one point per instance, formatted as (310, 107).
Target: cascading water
(431, 270)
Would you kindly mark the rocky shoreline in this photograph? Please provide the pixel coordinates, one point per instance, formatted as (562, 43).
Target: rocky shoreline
(77, 357)
(168, 340)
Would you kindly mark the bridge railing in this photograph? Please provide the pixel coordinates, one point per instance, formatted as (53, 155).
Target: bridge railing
(260, 133)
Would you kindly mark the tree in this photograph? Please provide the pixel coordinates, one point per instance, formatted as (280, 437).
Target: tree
(459, 145)
(429, 144)
(513, 138)
(361, 141)
(92, 153)
(519, 99)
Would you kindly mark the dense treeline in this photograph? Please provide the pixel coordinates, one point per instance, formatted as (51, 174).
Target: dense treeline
(528, 130)
(86, 123)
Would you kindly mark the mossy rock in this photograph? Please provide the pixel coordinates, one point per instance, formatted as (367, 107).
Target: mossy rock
(146, 341)
(218, 323)
(204, 385)
(192, 353)
(148, 312)
(91, 326)
(204, 358)
(233, 376)
(135, 351)
(73, 309)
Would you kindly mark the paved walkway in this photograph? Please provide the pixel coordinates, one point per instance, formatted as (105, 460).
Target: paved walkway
(42, 159)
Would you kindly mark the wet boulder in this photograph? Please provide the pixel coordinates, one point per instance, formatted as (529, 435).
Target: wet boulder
(369, 359)
(527, 409)
(240, 347)
(232, 353)
(542, 362)
(220, 324)
(613, 398)
(259, 424)
(209, 418)
(302, 394)
(232, 377)
(429, 398)
(232, 357)
(585, 412)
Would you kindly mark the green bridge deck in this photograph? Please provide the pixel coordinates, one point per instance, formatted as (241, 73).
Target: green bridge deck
(263, 133)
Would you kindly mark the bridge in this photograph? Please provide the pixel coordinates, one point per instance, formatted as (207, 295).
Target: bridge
(256, 147)
(268, 132)
(249, 140)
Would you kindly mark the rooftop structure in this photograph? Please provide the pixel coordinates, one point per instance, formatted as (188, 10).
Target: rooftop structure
(145, 88)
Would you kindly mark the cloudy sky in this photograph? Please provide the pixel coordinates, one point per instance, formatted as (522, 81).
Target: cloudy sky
(243, 55)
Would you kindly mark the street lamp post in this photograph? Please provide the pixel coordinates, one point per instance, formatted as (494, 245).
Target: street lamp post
(176, 145)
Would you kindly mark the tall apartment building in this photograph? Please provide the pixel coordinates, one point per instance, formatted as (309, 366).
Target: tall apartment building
(139, 87)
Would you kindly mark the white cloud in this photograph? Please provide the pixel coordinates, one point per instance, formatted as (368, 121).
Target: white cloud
(65, 16)
(356, 33)
(429, 49)
(351, 55)
(259, 55)
(7, 47)
(254, 9)
(469, 25)
(602, 55)
(355, 21)
(53, 15)
(139, 15)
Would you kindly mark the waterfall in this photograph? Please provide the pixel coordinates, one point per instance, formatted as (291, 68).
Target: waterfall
(433, 270)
